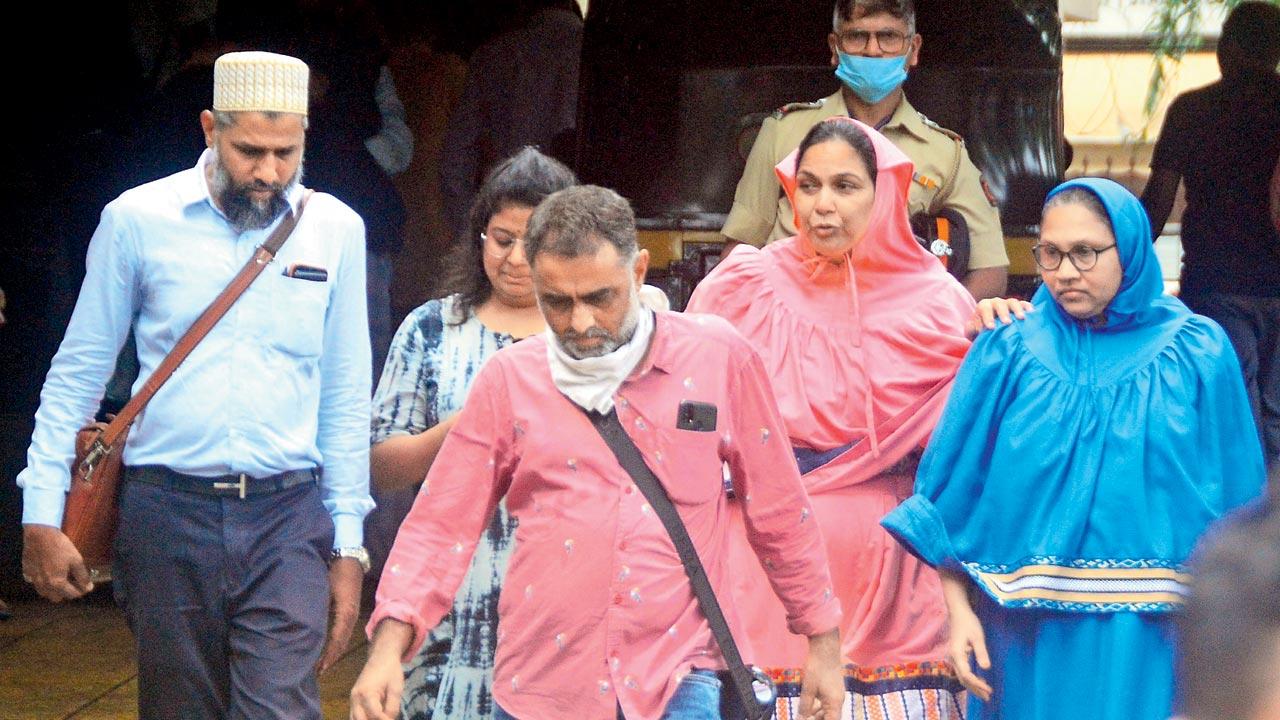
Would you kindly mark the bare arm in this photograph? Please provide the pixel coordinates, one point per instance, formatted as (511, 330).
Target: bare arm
(402, 461)
(966, 634)
(1158, 198)
(376, 693)
(987, 282)
(822, 690)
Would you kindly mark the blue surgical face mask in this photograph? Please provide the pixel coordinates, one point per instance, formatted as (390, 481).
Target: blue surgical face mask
(872, 78)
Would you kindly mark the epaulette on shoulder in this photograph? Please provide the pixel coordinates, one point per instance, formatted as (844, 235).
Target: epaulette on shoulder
(949, 133)
(792, 107)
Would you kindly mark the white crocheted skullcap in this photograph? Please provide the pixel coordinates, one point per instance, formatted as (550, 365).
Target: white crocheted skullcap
(260, 81)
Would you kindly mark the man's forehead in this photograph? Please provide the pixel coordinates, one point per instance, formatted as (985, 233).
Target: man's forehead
(262, 130)
(581, 275)
(876, 20)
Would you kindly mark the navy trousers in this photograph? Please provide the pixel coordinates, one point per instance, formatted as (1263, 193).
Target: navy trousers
(228, 600)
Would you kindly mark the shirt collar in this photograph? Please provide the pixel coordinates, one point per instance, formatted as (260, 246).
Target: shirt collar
(660, 356)
(906, 117)
(195, 189)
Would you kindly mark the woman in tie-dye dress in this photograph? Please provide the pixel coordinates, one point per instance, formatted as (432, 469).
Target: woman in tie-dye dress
(435, 355)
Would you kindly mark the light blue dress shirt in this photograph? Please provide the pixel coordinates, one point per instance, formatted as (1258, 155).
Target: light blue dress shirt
(280, 383)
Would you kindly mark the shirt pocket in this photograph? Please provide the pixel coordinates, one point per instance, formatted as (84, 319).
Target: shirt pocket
(298, 308)
(691, 466)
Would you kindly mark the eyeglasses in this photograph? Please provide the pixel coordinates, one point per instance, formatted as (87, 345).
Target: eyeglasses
(1082, 257)
(855, 41)
(502, 244)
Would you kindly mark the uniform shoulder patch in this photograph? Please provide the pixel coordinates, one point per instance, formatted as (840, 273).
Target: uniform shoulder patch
(792, 107)
(949, 133)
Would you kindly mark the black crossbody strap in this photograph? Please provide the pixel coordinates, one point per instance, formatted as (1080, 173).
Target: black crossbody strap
(633, 462)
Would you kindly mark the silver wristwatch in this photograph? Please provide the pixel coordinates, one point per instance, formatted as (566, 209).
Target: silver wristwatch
(359, 554)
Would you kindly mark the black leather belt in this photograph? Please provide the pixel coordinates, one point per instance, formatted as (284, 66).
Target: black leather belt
(241, 485)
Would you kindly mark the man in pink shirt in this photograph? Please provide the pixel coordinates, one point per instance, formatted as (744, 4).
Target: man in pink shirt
(598, 619)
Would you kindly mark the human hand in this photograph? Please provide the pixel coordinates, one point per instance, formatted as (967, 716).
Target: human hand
(822, 689)
(985, 314)
(345, 575)
(52, 564)
(376, 693)
(967, 637)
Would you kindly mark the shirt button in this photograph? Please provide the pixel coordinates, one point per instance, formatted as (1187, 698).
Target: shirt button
(622, 546)
(617, 599)
(630, 489)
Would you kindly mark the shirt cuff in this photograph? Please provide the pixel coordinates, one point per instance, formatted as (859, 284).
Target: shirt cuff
(43, 506)
(348, 530)
(918, 526)
(402, 611)
(820, 620)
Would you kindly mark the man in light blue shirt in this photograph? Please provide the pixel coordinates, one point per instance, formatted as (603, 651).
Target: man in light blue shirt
(226, 589)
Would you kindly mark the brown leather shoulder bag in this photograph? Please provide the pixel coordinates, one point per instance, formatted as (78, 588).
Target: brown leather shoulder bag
(90, 517)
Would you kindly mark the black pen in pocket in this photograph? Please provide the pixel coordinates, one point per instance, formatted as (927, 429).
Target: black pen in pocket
(307, 272)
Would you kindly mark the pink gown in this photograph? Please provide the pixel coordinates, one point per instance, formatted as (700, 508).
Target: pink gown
(861, 352)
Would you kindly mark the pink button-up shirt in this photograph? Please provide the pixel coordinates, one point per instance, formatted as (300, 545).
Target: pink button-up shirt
(596, 610)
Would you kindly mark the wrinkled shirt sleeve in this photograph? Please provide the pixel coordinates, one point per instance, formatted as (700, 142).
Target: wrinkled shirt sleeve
(433, 549)
(108, 301)
(779, 519)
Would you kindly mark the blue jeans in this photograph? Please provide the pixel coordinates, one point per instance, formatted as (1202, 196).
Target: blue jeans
(697, 698)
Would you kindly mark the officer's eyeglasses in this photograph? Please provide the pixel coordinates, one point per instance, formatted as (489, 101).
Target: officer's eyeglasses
(856, 41)
(1082, 257)
(499, 244)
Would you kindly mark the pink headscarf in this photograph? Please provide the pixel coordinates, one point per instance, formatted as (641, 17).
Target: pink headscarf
(888, 247)
(861, 347)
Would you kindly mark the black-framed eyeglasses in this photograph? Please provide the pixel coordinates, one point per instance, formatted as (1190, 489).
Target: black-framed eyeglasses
(856, 41)
(1082, 257)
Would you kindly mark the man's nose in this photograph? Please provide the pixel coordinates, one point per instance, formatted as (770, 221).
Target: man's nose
(873, 48)
(268, 171)
(582, 319)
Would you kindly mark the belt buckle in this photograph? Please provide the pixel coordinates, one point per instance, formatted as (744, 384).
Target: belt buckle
(242, 485)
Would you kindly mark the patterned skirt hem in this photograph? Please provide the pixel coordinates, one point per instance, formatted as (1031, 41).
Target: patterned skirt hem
(908, 691)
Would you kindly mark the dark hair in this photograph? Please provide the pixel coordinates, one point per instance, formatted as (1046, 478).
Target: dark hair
(1253, 27)
(851, 134)
(846, 10)
(524, 179)
(1081, 196)
(576, 221)
(1229, 631)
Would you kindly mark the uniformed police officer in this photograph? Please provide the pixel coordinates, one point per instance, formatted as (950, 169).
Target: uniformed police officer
(873, 43)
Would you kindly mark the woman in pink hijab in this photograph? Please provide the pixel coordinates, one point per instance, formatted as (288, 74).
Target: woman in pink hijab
(862, 331)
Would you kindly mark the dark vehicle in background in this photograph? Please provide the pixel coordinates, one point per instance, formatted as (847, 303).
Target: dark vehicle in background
(674, 91)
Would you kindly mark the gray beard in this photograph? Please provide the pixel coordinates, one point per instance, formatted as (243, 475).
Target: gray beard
(242, 211)
(609, 342)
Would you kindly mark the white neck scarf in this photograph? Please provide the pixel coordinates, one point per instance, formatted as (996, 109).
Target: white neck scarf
(591, 382)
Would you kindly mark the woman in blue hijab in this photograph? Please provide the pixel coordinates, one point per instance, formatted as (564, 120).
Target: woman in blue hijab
(1082, 453)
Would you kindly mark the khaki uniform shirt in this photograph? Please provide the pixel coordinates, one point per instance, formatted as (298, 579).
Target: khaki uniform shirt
(944, 177)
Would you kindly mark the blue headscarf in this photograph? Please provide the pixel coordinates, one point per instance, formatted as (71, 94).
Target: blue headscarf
(1137, 322)
(1143, 284)
(1087, 455)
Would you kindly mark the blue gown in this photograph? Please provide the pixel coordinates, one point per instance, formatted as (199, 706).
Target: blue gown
(1072, 472)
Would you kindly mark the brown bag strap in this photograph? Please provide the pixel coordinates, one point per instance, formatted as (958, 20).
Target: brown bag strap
(203, 325)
